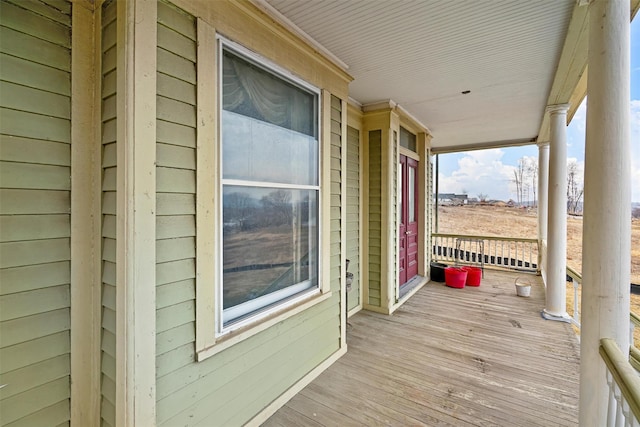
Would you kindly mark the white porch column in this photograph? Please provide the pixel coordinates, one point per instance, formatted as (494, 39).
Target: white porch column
(543, 207)
(556, 304)
(606, 242)
(543, 189)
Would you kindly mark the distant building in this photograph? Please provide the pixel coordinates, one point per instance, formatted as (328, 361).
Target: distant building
(452, 199)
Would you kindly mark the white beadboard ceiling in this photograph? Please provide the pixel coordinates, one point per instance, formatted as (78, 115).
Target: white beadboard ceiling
(423, 53)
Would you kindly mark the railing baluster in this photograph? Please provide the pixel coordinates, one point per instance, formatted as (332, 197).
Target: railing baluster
(504, 252)
(575, 299)
(624, 385)
(611, 409)
(619, 413)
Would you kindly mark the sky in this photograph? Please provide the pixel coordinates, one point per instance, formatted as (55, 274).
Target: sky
(490, 172)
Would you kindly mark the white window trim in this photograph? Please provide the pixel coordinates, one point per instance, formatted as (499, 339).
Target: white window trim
(210, 339)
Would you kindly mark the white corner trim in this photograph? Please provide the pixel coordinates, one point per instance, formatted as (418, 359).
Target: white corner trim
(343, 225)
(207, 212)
(86, 174)
(136, 213)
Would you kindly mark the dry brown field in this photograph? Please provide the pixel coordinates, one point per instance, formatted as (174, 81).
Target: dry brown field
(518, 222)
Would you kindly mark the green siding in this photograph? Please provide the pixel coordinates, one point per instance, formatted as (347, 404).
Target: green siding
(353, 213)
(35, 204)
(232, 386)
(337, 206)
(109, 173)
(428, 194)
(176, 187)
(375, 216)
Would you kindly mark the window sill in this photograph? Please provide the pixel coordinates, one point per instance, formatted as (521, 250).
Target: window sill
(228, 340)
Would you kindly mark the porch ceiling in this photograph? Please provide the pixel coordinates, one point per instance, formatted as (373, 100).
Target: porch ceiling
(423, 54)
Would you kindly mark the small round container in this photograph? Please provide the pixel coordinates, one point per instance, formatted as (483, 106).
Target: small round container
(523, 287)
(455, 277)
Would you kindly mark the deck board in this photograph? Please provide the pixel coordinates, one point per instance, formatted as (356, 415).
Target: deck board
(449, 357)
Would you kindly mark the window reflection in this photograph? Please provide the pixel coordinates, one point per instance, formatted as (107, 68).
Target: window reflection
(270, 241)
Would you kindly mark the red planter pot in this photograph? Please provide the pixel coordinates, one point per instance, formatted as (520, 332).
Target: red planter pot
(474, 276)
(455, 277)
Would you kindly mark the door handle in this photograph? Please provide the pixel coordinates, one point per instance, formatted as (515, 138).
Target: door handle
(407, 232)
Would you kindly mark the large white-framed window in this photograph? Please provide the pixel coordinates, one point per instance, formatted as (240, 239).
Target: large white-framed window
(270, 186)
(260, 208)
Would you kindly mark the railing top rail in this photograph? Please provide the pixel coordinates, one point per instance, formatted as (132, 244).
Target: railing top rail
(623, 373)
(471, 236)
(574, 274)
(635, 319)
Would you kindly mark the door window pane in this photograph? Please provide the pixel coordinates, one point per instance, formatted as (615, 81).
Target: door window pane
(412, 194)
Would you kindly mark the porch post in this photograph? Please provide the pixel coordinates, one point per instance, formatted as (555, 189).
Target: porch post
(606, 242)
(556, 304)
(543, 213)
(543, 189)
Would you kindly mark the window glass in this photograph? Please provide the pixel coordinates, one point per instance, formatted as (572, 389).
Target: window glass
(253, 150)
(270, 188)
(412, 194)
(407, 139)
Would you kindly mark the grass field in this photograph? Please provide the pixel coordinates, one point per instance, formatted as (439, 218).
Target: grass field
(517, 222)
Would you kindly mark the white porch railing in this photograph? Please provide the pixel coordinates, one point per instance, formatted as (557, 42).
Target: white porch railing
(624, 386)
(634, 319)
(500, 252)
(576, 281)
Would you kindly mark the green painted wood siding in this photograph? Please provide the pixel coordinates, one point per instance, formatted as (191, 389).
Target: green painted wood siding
(353, 213)
(232, 386)
(176, 199)
(35, 231)
(109, 193)
(375, 216)
(336, 190)
(428, 193)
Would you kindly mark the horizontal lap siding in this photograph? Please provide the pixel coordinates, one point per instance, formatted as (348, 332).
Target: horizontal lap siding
(109, 164)
(35, 170)
(353, 213)
(375, 216)
(336, 195)
(430, 204)
(232, 386)
(176, 198)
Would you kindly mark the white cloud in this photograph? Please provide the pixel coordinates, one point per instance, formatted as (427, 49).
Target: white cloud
(580, 117)
(484, 172)
(478, 172)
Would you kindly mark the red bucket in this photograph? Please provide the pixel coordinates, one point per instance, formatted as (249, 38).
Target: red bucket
(474, 275)
(455, 277)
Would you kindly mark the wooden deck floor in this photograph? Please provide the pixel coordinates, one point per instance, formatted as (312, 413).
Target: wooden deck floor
(459, 357)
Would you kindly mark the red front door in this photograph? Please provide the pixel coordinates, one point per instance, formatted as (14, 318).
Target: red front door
(408, 238)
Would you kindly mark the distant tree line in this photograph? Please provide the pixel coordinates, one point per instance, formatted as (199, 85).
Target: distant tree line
(243, 212)
(525, 178)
